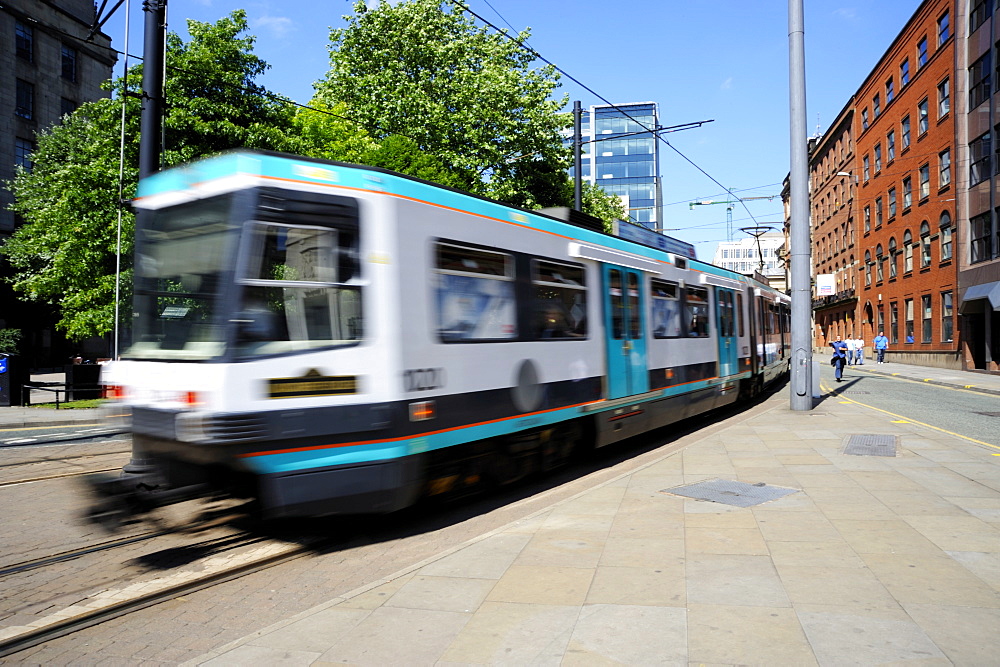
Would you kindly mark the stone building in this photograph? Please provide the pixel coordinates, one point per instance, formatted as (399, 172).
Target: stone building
(49, 65)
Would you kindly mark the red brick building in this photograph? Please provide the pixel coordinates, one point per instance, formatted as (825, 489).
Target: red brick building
(883, 213)
(834, 239)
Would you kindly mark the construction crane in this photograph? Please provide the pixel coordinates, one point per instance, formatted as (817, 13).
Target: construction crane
(729, 208)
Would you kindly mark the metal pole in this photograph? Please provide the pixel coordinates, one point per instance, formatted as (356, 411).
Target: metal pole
(152, 86)
(151, 121)
(801, 394)
(578, 168)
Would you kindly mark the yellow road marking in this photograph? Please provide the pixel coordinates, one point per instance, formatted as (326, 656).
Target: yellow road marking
(912, 421)
(967, 387)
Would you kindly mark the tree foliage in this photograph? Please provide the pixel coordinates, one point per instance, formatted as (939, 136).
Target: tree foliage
(423, 70)
(65, 253)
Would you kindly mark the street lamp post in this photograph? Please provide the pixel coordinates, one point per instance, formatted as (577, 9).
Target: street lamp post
(801, 255)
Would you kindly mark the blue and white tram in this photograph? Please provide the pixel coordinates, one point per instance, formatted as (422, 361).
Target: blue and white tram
(329, 338)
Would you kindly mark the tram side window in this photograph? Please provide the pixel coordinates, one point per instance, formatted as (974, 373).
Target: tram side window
(560, 300)
(475, 294)
(296, 294)
(696, 311)
(739, 312)
(666, 306)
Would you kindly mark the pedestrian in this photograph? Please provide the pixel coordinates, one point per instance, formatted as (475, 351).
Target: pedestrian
(851, 348)
(839, 357)
(881, 345)
(859, 351)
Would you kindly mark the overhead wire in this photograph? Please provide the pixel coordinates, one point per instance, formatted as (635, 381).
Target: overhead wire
(534, 53)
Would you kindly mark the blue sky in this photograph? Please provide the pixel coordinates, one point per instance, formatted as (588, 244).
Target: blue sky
(724, 60)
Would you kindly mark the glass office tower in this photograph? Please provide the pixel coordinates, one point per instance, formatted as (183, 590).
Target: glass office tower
(623, 158)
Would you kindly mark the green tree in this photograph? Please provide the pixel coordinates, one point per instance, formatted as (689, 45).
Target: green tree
(64, 254)
(423, 70)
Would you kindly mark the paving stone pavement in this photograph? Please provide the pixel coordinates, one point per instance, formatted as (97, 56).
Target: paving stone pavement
(870, 560)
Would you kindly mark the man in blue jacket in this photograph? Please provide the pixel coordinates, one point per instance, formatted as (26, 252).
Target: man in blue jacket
(839, 357)
(881, 345)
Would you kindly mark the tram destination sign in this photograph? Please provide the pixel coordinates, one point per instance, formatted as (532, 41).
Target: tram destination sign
(312, 384)
(647, 237)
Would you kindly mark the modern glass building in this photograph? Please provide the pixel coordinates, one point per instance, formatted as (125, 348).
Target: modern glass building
(623, 157)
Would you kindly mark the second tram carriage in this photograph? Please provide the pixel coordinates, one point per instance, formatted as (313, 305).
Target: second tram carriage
(329, 338)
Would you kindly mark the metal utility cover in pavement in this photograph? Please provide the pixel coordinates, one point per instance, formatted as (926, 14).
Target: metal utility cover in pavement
(738, 494)
(871, 445)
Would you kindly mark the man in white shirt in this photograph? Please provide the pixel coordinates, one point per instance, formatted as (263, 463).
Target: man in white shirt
(852, 346)
(860, 351)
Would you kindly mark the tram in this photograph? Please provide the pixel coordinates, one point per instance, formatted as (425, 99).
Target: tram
(332, 338)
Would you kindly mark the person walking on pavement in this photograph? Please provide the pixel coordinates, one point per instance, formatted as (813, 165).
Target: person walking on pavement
(851, 348)
(839, 357)
(881, 345)
(859, 351)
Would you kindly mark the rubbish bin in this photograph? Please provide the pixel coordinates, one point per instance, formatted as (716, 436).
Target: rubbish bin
(82, 381)
(12, 377)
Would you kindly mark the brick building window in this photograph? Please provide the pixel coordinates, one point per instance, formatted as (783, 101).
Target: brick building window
(893, 259)
(864, 119)
(908, 314)
(24, 104)
(943, 29)
(925, 245)
(921, 53)
(922, 117)
(893, 322)
(868, 268)
(926, 323)
(865, 168)
(944, 168)
(904, 72)
(907, 252)
(876, 106)
(24, 41)
(892, 203)
(924, 174)
(890, 146)
(907, 192)
(868, 219)
(947, 318)
(890, 91)
(944, 98)
(945, 237)
(878, 158)
(880, 264)
(878, 212)
(905, 130)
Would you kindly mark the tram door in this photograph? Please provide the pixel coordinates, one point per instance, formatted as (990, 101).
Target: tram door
(623, 321)
(725, 321)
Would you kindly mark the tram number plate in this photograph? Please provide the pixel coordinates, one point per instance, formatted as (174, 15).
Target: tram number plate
(423, 379)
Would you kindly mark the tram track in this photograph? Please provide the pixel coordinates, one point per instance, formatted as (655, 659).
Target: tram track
(70, 554)
(107, 605)
(64, 475)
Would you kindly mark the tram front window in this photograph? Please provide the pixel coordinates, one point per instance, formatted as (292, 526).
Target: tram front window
(182, 257)
(299, 290)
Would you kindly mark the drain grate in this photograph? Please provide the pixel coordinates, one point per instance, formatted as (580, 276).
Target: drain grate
(738, 494)
(871, 445)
